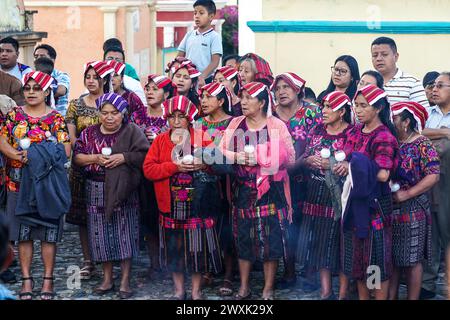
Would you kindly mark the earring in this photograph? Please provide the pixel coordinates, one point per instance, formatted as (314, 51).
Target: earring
(406, 129)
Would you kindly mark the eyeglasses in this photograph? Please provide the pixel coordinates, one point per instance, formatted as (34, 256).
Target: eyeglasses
(439, 86)
(341, 72)
(114, 58)
(35, 88)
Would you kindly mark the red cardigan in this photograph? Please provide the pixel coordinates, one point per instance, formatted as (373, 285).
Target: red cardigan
(159, 167)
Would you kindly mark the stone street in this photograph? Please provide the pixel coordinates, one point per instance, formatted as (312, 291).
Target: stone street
(158, 287)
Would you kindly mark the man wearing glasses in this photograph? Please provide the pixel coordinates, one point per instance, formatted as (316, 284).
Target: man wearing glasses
(399, 85)
(428, 84)
(438, 130)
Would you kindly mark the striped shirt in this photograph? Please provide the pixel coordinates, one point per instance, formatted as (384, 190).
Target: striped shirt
(404, 87)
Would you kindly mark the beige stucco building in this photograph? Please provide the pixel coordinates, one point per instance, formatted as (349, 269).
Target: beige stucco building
(307, 36)
(150, 30)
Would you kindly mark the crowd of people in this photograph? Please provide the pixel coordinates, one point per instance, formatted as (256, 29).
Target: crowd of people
(225, 168)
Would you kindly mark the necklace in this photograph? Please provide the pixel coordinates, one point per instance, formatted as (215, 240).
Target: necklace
(407, 139)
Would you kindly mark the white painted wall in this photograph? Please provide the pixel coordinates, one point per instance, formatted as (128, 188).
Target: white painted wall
(248, 10)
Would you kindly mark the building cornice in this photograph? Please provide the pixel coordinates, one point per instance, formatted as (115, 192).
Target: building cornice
(328, 26)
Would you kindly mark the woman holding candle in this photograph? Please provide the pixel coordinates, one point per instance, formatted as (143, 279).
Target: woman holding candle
(372, 149)
(82, 113)
(23, 126)
(261, 200)
(111, 154)
(318, 241)
(418, 172)
(188, 238)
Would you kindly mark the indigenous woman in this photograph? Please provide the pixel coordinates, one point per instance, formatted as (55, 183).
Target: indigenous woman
(216, 108)
(367, 232)
(32, 123)
(133, 100)
(344, 77)
(229, 77)
(82, 113)
(254, 68)
(371, 77)
(300, 118)
(262, 147)
(318, 244)
(111, 154)
(188, 239)
(151, 121)
(418, 172)
(185, 77)
(172, 65)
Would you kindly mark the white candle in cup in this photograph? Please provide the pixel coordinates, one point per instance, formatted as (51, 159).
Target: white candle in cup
(25, 143)
(48, 134)
(339, 156)
(106, 151)
(249, 148)
(188, 159)
(325, 153)
(394, 187)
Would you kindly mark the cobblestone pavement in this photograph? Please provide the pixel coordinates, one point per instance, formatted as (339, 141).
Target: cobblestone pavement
(158, 287)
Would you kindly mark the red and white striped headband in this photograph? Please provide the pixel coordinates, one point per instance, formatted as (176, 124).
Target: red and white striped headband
(372, 93)
(255, 88)
(416, 109)
(118, 67)
(228, 72)
(41, 78)
(100, 67)
(182, 104)
(293, 80)
(214, 89)
(337, 100)
(160, 81)
(193, 72)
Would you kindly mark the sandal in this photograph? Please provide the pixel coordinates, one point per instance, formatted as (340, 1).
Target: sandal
(207, 280)
(27, 295)
(245, 297)
(87, 270)
(48, 295)
(226, 289)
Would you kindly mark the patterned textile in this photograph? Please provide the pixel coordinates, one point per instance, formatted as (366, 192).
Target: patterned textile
(337, 100)
(379, 145)
(100, 67)
(254, 89)
(263, 71)
(214, 130)
(417, 160)
(156, 125)
(411, 232)
(134, 102)
(19, 125)
(115, 239)
(259, 226)
(418, 111)
(412, 219)
(371, 93)
(292, 79)
(81, 115)
(188, 243)
(114, 99)
(182, 104)
(358, 254)
(318, 243)
(91, 141)
(43, 79)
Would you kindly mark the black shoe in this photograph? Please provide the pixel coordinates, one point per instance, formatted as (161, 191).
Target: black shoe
(426, 294)
(8, 276)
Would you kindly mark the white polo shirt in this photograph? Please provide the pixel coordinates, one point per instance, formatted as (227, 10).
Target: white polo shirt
(199, 47)
(405, 87)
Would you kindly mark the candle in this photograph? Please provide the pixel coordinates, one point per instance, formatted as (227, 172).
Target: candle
(48, 134)
(339, 155)
(188, 159)
(394, 186)
(325, 153)
(25, 143)
(106, 151)
(249, 148)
